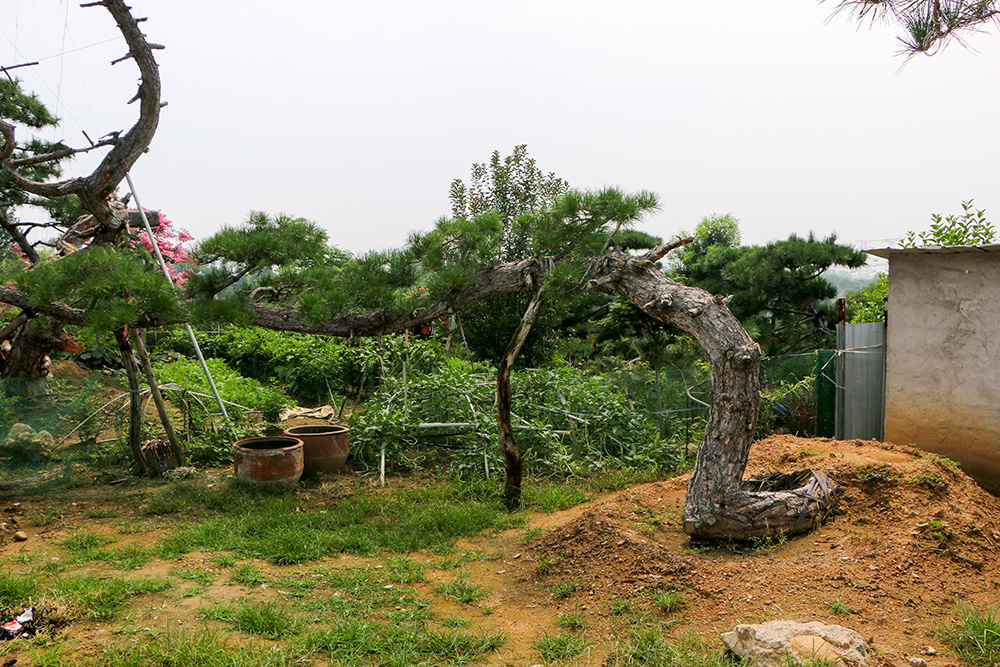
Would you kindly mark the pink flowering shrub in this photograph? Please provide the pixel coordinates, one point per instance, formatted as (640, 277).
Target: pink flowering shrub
(169, 241)
(16, 249)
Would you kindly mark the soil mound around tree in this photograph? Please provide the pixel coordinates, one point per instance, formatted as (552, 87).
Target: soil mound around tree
(911, 536)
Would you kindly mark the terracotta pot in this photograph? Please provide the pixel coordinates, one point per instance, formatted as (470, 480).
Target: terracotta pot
(271, 460)
(325, 446)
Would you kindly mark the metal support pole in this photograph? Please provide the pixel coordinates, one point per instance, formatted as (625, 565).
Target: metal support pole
(166, 273)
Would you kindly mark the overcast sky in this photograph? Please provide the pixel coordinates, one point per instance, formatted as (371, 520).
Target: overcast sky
(358, 115)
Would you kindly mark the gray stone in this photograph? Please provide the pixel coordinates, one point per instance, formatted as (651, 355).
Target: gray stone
(183, 472)
(25, 444)
(775, 643)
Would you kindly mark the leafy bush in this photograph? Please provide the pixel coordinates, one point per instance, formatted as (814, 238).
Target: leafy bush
(188, 375)
(970, 227)
(868, 303)
(566, 420)
(788, 405)
(311, 367)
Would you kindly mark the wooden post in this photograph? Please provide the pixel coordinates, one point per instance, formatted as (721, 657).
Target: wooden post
(135, 400)
(161, 407)
(513, 460)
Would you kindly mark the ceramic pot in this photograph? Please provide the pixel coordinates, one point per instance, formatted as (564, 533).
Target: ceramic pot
(271, 460)
(325, 446)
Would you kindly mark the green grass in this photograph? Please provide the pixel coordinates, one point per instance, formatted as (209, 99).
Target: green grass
(564, 589)
(620, 607)
(206, 649)
(267, 619)
(81, 543)
(530, 534)
(404, 570)
(620, 478)
(199, 576)
(975, 635)
(365, 642)
(22, 559)
(460, 590)
(667, 601)
(571, 621)
(129, 557)
(553, 496)
(649, 644)
(360, 593)
(839, 607)
(89, 596)
(252, 524)
(560, 647)
(101, 598)
(84, 547)
(295, 585)
(248, 575)
(457, 560)
(17, 590)
(223, 560)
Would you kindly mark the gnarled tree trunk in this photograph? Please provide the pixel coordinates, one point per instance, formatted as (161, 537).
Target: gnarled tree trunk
(135, 400)
(719, 504)
(27, 367)
(512, 456)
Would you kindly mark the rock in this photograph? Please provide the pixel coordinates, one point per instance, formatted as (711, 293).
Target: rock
(26, 444)
(928, 650)
(20, 536)
(917, 662)
(184, 472)
(813, 648)
(776, 643)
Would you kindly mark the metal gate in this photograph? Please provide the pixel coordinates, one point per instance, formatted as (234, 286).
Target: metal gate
(860, 381)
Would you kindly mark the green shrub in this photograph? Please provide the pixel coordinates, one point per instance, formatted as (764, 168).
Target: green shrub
(188, 375)
(312, 368)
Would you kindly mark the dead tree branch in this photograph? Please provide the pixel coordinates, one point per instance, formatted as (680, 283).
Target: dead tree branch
(95, 189)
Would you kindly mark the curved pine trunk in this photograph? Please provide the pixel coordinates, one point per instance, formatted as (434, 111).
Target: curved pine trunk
(718, 503)
(27, 368)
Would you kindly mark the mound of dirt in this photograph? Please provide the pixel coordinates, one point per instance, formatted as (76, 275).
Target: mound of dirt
(911, 535)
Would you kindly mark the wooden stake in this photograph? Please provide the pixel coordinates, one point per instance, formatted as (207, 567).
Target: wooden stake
(135, 401)
(161, 407)
(381, 467)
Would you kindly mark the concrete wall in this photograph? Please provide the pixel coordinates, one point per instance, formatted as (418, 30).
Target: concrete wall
(943, 358)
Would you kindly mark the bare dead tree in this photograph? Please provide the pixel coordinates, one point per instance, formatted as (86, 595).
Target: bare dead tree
(95, 189)
(108, 219)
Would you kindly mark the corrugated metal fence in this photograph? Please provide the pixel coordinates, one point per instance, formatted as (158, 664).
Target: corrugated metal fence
(860, 381)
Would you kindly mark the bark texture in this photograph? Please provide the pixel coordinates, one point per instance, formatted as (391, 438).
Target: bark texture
(161, 406)
(513, 461)
(95, 189)
(718, 504)
(27, 367)
(135, 400)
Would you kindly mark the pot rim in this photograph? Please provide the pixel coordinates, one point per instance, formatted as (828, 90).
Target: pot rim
(318, 429)
(295, 442)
